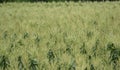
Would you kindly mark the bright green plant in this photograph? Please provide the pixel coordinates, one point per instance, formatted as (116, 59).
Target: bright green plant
(51, 56)
(92, 67)
(20, 64)
(4, 62)
(33, 64)
(26, 35)
(82, 49)
(114, 55)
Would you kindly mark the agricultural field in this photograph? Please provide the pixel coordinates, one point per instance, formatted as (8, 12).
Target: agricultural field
(60, 36)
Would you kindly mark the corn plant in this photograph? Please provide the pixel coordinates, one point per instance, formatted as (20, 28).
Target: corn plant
(95, 23)
(92, 67)
(82, 49)
(37, 40)
(110, 46)
(4, 62)
(88, 60)
(89, 34)
(50, 56)
(64, 37)
(33, 64)
(20, 64)
(5, 34)
(11, 47)
(114, 55)
(95, 48)
(14, 37)
(20, 43)
(26, 35)
(69, 49)
(72, 66)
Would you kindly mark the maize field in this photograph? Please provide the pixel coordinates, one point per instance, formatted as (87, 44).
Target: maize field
(60, 36)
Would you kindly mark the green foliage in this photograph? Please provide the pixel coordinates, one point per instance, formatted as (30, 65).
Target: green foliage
(69, 50)
(20, 43)
(72, 66)
(51, 56)
(92, 67)
(20, 64)
(89, 34)
(26, 35)
(5, 35)
(60, 36)
(37, 40)
(82, 49)
(114, 54)
(33, 64)
(110, 46)
(114, 57)
(95, 48)
(4, 62)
